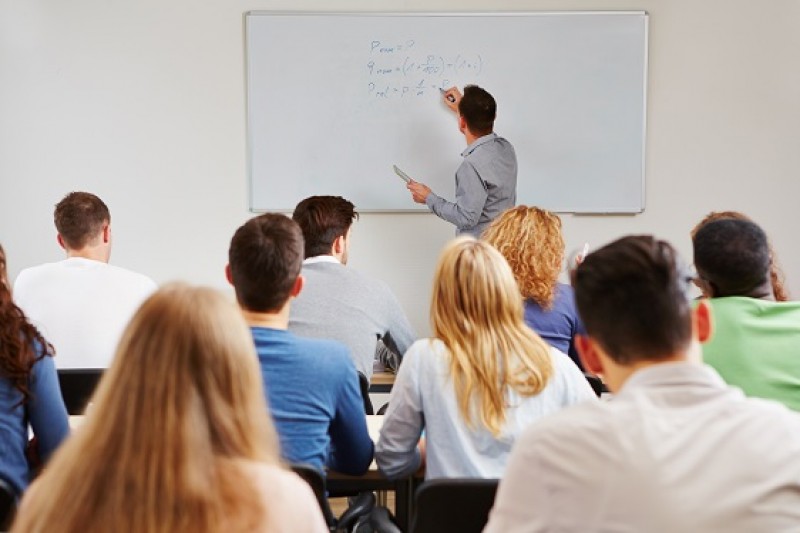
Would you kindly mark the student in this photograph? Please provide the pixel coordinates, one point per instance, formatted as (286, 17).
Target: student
(675, 449)
(311, 384)
(178, 438)
(486, 181)
(530, 240)
(756, 346)
(29, 392)
(82, 304)
(776, 275)
(484, 377)
(339, 302)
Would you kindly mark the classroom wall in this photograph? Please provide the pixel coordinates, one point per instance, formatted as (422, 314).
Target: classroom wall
(143, 103)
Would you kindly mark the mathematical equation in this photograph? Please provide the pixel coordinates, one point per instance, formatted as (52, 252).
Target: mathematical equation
(404, 69)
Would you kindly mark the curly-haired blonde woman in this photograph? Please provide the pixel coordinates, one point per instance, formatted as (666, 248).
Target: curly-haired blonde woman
(178, 438)
(480, 381)
(530, 240)
(776, 275)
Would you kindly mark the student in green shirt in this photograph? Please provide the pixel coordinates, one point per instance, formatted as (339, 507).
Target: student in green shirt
(756, 344)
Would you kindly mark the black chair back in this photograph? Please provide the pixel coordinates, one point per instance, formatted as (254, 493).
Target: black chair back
(453, 505)
(77, 387)
(363, 382)
(596, 383)
(8, 504)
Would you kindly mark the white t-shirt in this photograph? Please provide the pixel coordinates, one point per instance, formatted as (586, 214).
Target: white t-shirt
(81, 307)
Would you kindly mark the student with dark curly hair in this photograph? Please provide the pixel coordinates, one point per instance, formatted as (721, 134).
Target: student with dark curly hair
(29, 392)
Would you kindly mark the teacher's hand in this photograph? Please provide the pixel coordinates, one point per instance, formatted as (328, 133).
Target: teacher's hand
(452, 97)
(419, 191)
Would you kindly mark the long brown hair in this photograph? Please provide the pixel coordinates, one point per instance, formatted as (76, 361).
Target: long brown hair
(21, 344)
(477, 312)
(776, 274)
(158, 450)
(530, 240)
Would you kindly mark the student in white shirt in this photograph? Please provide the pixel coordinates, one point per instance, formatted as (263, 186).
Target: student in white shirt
(675, 449)
(82, 304)
(480, 381)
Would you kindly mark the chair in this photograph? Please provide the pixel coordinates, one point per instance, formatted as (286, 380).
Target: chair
(596, 383)
(77, 387)
(453, 505)
(360, 506)
(363, 382)
(8, 504)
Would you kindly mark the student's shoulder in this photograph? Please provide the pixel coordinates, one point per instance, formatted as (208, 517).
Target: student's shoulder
(287, 494)
(425, 354)
(774, 415)
(346, 275)
(131, 277)
(34, 272)
(328, 351)
(366, 280)
(585, 421)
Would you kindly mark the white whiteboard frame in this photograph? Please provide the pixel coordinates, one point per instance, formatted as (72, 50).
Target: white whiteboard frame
(367, 14)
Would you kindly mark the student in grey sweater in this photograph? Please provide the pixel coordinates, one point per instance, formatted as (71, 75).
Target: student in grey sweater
(337, 301)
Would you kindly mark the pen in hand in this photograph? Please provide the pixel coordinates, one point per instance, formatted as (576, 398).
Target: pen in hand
(450, 98)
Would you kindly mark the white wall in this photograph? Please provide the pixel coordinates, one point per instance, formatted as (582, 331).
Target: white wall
(143, 104)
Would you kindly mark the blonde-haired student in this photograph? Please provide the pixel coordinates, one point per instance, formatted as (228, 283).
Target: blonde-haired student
(178, 437)
(482, 379)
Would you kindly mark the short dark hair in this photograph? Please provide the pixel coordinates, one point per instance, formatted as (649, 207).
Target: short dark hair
(79, 218)
(478, 109)
(265, 257)
(732, 255)
(633, 297)
(323, 219)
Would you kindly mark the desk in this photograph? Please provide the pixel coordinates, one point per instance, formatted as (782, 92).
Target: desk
(373, 480)
(382, 382)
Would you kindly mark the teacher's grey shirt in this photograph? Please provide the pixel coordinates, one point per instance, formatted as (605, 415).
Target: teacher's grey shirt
(675, 450)
(486, 185)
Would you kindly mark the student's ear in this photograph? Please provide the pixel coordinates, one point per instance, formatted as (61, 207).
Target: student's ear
(587, 350)
(705, 286)
(228, 274)
(462, 124)
(702, 322)
(60, 241)
(297, 287)
(106, 234)
(338, 245)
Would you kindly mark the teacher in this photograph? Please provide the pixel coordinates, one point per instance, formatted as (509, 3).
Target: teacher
(486, 181)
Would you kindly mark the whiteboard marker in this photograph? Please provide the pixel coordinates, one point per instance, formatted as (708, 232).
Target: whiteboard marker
(450, 97)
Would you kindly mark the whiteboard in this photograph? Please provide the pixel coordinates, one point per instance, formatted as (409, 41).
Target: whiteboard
(335, 99)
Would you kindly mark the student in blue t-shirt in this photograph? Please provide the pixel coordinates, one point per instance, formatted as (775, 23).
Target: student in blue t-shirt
(311, 385)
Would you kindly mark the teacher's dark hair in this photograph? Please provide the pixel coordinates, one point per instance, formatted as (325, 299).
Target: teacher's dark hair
(733, 256)
(479, 110)
(633, 297)
(323, 219)
(265, 257)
